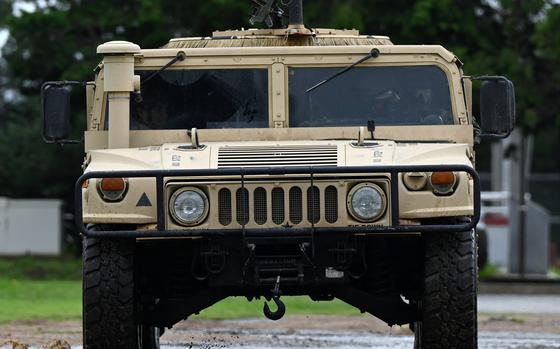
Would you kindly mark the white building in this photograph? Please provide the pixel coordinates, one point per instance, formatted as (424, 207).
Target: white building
(30, 227)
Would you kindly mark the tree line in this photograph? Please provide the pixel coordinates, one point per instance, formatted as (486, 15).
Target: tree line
(56, 40)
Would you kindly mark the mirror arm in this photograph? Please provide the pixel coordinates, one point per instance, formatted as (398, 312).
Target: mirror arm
(493, 136)
(486, 78)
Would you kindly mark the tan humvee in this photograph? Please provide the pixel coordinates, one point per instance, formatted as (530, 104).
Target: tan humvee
(271, 162)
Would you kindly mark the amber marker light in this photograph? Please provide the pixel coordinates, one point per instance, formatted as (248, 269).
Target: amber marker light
(112, 189)
(443, 182)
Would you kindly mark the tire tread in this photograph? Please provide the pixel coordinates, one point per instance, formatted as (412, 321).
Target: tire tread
(449, 299)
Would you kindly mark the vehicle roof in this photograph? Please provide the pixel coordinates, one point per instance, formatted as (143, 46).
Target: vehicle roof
(279, 37)
(281, 41)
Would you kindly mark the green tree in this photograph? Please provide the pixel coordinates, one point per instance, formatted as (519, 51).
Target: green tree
(57, 41)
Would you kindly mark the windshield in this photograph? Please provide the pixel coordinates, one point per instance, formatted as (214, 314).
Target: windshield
(407, 95)
(201, 98)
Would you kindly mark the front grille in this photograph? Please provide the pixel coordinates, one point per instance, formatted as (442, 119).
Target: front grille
(270, 205)
(260, 205)
(284, 155)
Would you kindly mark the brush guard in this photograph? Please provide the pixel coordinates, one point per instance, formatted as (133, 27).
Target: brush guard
(393, 172)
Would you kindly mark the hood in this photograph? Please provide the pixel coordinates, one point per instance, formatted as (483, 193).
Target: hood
(214, 155)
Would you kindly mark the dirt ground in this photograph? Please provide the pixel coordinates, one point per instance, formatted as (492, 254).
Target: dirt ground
(224, 334)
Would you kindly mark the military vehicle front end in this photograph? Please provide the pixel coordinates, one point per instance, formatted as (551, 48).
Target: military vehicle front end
(276, 162)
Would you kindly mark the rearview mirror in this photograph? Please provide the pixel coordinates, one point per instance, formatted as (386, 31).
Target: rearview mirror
(55, 97)
(497, 106)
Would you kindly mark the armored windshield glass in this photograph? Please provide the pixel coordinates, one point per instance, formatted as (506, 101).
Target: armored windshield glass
(407, 95)
(202, 98)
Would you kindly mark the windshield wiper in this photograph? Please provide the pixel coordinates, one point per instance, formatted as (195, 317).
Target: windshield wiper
(374, 53)
(181, 56)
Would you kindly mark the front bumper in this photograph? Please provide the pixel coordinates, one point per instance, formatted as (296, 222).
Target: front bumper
(395, 226)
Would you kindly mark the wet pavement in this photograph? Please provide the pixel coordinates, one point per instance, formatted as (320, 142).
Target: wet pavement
(506, 322)
(349, 340)
(519, 304)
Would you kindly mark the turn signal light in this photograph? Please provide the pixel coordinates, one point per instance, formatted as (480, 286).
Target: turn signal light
(112, 189)
(443, 182)
(110, 184)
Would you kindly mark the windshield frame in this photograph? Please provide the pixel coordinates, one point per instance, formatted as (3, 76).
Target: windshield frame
(277, 60)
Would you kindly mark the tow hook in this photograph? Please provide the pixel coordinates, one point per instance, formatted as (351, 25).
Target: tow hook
(281, 307)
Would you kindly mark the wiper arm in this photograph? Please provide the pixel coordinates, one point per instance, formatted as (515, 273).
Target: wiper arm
(181, 56)
(373, 54)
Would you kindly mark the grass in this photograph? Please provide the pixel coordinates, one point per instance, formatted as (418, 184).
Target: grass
(50, 288)
(39, 300)
(41, 268)
(488, 271)
(34, 288)
(238, 307)
(24, 300)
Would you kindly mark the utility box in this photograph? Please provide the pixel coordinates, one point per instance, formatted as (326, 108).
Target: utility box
(537, 227)
(30, 227)
(525, 248)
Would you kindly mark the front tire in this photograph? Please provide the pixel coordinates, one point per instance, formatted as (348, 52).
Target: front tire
(109, 302)
(448, 309)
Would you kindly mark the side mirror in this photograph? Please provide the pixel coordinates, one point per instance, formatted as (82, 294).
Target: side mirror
(497, 106)
(55, 99)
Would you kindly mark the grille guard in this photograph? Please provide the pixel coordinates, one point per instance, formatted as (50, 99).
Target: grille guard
(393, 171)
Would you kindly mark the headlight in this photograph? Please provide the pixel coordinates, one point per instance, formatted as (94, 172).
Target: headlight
(366, 202)
(189, 206)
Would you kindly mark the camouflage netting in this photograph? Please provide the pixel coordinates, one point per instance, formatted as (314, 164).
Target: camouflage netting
(277, 41)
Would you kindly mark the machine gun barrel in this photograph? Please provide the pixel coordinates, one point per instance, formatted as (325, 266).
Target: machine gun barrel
(296, 14)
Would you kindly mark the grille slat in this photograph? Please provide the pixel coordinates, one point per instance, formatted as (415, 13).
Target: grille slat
(287, 164)
(268, 158)
(313, 205)
(296, 208)
(259, 205)
(242, 201)
(278, 209)
(224, 206)
(249, 156)
(331, 204)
